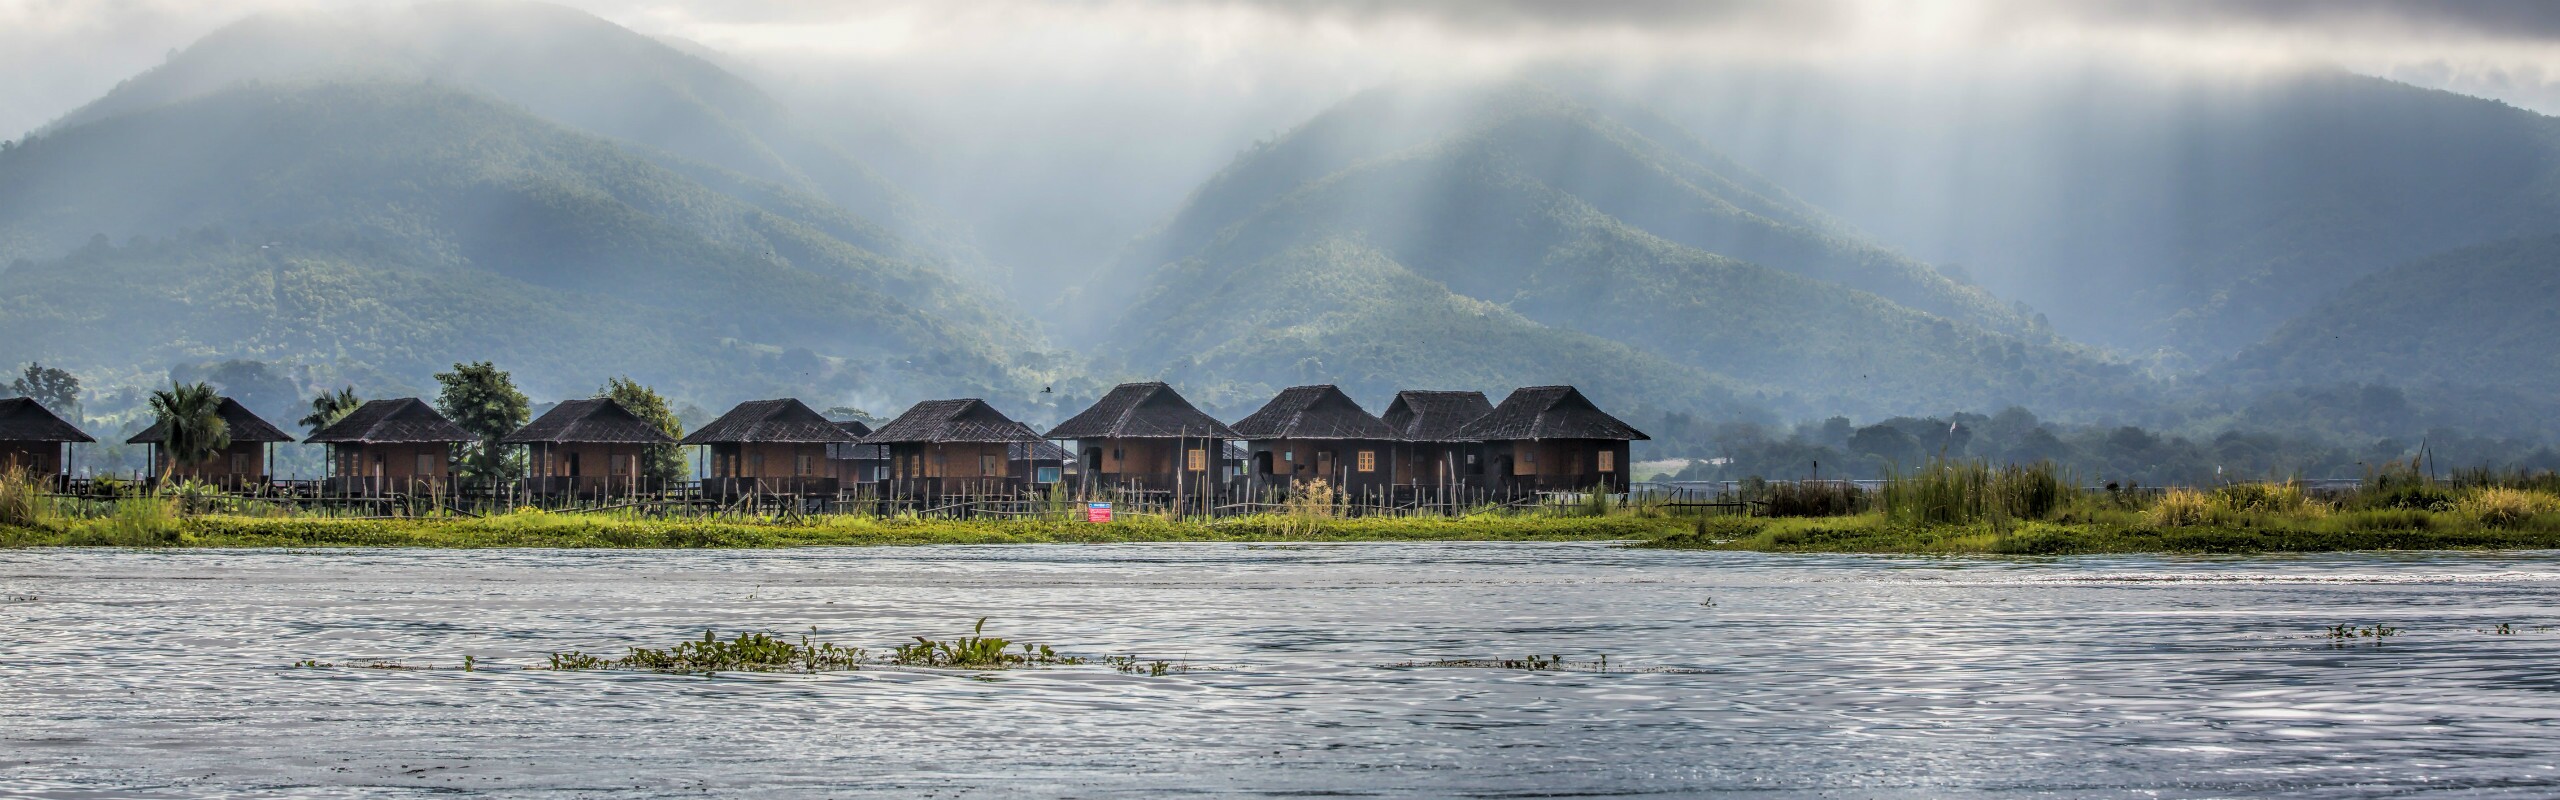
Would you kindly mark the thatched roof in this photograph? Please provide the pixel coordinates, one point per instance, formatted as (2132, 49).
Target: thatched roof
(22, 419)
(958, 421)
(1039, 451)
(784, 421)
(246, 427)
(856, 452)
(1548, 412)
(1141, 411)
(593, 421)
(1426, 416)
(407, 420)
(1313, 412)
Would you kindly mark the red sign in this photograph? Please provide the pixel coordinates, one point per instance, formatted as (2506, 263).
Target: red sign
(1097, 512)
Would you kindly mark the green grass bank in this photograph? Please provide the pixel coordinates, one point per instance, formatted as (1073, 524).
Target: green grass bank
(622, 531)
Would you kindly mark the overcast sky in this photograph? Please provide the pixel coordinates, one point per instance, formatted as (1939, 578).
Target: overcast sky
(57, 54)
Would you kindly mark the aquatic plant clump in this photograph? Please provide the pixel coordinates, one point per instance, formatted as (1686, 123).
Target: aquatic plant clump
(748, 652)
(976, 651)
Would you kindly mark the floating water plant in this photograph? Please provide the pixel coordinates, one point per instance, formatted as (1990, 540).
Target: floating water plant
(748, 652)
(976, 651)
(1532, 663)
(1130, 665)
(2342, 635)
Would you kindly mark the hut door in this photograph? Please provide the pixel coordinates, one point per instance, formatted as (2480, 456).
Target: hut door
(1262, 462)
(573, 464)
(1324, 464)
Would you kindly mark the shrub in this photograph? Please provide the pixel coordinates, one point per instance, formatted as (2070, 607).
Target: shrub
(1812, 499)
(2180, 508)
(2501, 506)
(1965, 492)
(22, 503)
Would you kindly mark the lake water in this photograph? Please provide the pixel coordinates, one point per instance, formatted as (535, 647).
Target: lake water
(171, 674)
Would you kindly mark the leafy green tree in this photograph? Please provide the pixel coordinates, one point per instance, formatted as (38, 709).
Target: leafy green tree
(329, 408)
(661, 462)
(53, 388)
(483, 400)
(196, 431)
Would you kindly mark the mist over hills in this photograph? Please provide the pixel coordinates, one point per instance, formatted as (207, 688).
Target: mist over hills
(403, 226)
(367, 197)
(1576, 225)
(2143, 208)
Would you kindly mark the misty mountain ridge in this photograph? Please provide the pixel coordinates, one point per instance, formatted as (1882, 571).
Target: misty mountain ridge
(1551, 211)
(2145, 207)
(564, 65)
(407, 226)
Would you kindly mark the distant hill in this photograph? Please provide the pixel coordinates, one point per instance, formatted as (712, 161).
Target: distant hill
(1568, 224)
(403, 226)
(2485, 316)
(566, 66)
(2139, 206)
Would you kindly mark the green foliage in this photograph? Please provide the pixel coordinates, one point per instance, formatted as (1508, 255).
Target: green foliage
(22, 499)
(661, 462)
(55, 389)
(196, 430)
(484, 401)
(327, 408)
(748, 652)
(1947, 492)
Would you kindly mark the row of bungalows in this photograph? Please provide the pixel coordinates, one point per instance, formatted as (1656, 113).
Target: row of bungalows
(1137, 437)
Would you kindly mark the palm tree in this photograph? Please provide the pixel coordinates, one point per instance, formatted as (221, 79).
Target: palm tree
(196, 432)
(328, 408)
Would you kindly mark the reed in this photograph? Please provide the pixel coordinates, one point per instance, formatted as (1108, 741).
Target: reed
(1965, 492)
(23, 502)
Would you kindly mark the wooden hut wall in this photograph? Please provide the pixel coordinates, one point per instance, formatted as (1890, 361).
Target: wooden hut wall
(241, 461)
(41, 458)
(393, 464)
(1282, 462)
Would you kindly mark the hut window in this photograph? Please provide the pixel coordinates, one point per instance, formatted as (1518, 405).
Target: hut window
(1529, 456)
(620, 464)
(1048, 474)
(1368, 461)
(755, 461)
(1197, 460)
(802, 467)
(239, 463)
(990, 464)
(426, 463)
(1608, 461)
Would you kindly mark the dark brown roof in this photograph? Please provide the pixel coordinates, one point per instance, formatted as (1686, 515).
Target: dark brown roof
(969, 420)
(1141, 411)
(22, 419)
(598, 420)
(1044, 451)
(1313, 412)
(246, 427)
(856, 452)
(1548, 412)
(1425, 416)
(785, 421)
(407, 420)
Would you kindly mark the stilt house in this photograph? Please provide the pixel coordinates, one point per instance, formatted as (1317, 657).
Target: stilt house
(33, 439)
(857, 464)
(1551, 438)
(953, 447)
(1042, 463)
(1146, 437)
(239, 466)
(1430, 454)
(770, 447)
(389, 446)
(588, 448)
(1311, 432)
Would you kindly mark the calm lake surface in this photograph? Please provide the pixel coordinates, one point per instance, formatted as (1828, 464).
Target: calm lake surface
(171, 674)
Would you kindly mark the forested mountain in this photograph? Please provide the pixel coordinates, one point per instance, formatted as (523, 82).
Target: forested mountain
(2144, 207)
(404, 226)
(566, 66)
(1556, 221)
(2483, 318)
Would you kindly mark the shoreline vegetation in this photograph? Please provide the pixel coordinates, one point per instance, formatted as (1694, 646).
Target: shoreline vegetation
(1946, 508)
